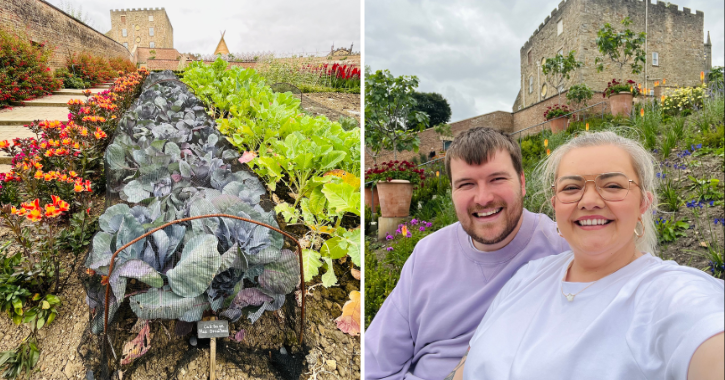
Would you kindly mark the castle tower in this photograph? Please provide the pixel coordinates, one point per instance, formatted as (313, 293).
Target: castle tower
(221, 48)
(147, 27)
(675, 50)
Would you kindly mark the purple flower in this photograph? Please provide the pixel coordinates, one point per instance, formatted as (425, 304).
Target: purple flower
(414, 221)
(389, 249)
(389, 237)
(428, 224)
(421, 228)
(397, 232)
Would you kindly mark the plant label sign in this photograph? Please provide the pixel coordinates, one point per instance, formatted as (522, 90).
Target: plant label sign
(213, 329)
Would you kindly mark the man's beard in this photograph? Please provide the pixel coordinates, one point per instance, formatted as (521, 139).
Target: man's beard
(512, 213)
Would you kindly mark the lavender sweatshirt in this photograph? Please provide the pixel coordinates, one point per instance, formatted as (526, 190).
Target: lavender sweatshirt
(424, 326)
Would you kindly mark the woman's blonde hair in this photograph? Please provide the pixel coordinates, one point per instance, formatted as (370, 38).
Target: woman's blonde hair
(642, 161)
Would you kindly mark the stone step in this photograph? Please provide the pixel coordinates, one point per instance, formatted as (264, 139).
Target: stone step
(50, 101)
(5, 168)
(26, 115)
(10, 132)
(77, 91)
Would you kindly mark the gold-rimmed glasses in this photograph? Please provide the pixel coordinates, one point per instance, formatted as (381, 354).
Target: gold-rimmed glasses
(611, 187)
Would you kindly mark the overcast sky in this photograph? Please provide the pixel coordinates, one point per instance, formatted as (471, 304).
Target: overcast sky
(251, 26)
(468, 50)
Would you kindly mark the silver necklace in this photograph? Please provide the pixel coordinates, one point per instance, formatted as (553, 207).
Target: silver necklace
(569, 296)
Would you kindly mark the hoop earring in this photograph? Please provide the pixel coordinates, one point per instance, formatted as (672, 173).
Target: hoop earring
(558, 232)
(639, 235)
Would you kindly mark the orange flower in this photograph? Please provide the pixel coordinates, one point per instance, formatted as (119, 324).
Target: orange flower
(587, 126)
(548, 152)
(88, 186)
(100, 134)
(702, 76)
(641, 112)
(78, 187)
(76, 146)
(49, 153)
(63, 205)
(664, 81)
(84, 132)
(4, 144)
(49, 177)
(43, 145)
(72, 174)
(38, 165)
(18, 211)
(662, 99)
(546, 143)
(35, 215)
(404, 230)
(38, 174)
(51, 211)
(657, 83)
(67, 141)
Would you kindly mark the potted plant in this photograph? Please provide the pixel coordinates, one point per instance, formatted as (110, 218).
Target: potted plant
(620, 96)
(579, 95)
(559, 116)
(395, 181)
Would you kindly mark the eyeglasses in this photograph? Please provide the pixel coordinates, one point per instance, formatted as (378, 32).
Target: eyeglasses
(611, 187)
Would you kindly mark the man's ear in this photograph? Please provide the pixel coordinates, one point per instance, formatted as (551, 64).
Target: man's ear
(553, 202)
(523, 185)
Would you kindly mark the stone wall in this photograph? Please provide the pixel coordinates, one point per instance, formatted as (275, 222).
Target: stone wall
(44, 22)
(138, 23)
(676, 35)
(430, 141)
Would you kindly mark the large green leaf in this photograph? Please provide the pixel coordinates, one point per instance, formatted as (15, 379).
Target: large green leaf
(197, 267)
(342, 197)
(281, 276)
(165, 304)
(329, 278)
(137, 269)
(311, 263)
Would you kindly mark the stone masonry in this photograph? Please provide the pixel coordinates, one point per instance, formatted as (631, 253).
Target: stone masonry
(43, 22)
(676, 36)
(430, 141)
(142, 28)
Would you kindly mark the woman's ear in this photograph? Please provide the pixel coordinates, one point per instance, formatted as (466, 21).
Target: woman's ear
(645, 205)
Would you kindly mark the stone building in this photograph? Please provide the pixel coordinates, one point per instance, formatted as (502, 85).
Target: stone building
(147, 27)
(675, 48)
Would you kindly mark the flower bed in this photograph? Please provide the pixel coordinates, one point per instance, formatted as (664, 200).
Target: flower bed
(52, 178)
(24, 71)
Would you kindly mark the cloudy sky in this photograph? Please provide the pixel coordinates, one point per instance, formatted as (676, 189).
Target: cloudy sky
(251, 26)
(468, 50)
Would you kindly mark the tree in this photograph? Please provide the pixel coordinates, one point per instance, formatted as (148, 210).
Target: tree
(620, 47)
(77, 13)
(434, 105)
(391, 122)
(557, 70)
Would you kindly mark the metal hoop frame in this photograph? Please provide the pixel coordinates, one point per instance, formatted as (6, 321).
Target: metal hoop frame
(299, 255)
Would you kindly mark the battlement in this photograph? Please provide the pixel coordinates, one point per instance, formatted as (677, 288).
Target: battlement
(656, 10)
(136, 10)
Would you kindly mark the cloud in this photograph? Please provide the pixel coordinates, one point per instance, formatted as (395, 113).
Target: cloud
(278, 26)
(468, 51)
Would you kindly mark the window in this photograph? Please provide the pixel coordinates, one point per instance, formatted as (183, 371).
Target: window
(151, 18)
(124, 32)
(560, 27)
(655, 59)
(152, 44)
(446, 145)
(125, 44)
(151, 31)
(543, 91)
(123, 19)
(531, 84)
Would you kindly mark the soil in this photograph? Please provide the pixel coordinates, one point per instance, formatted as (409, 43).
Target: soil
(691, 249)
(332, 104)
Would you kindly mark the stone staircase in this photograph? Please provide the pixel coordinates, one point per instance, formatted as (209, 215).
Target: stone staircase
(51, 107)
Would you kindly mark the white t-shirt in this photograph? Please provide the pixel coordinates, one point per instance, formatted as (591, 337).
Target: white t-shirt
(644, 321)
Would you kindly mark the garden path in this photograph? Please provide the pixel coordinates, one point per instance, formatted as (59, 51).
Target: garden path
(51, 107)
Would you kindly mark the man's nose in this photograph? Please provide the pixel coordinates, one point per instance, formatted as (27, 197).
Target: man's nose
(483, 195)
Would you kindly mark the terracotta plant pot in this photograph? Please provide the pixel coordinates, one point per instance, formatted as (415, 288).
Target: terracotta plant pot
(621, 104)
(371, 195)
(559, 124)
(395, 198)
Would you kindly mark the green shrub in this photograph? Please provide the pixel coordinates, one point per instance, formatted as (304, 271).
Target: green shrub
(24, 71)
(380, 279)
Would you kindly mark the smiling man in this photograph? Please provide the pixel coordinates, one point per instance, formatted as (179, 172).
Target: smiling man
(424, 326)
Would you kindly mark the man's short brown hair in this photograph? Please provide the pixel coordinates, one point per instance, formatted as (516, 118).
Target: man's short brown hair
(477, 145)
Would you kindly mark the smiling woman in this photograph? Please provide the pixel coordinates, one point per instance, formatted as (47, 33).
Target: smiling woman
(607, 309)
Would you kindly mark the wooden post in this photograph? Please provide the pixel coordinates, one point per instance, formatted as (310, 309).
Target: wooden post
(212, 356)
